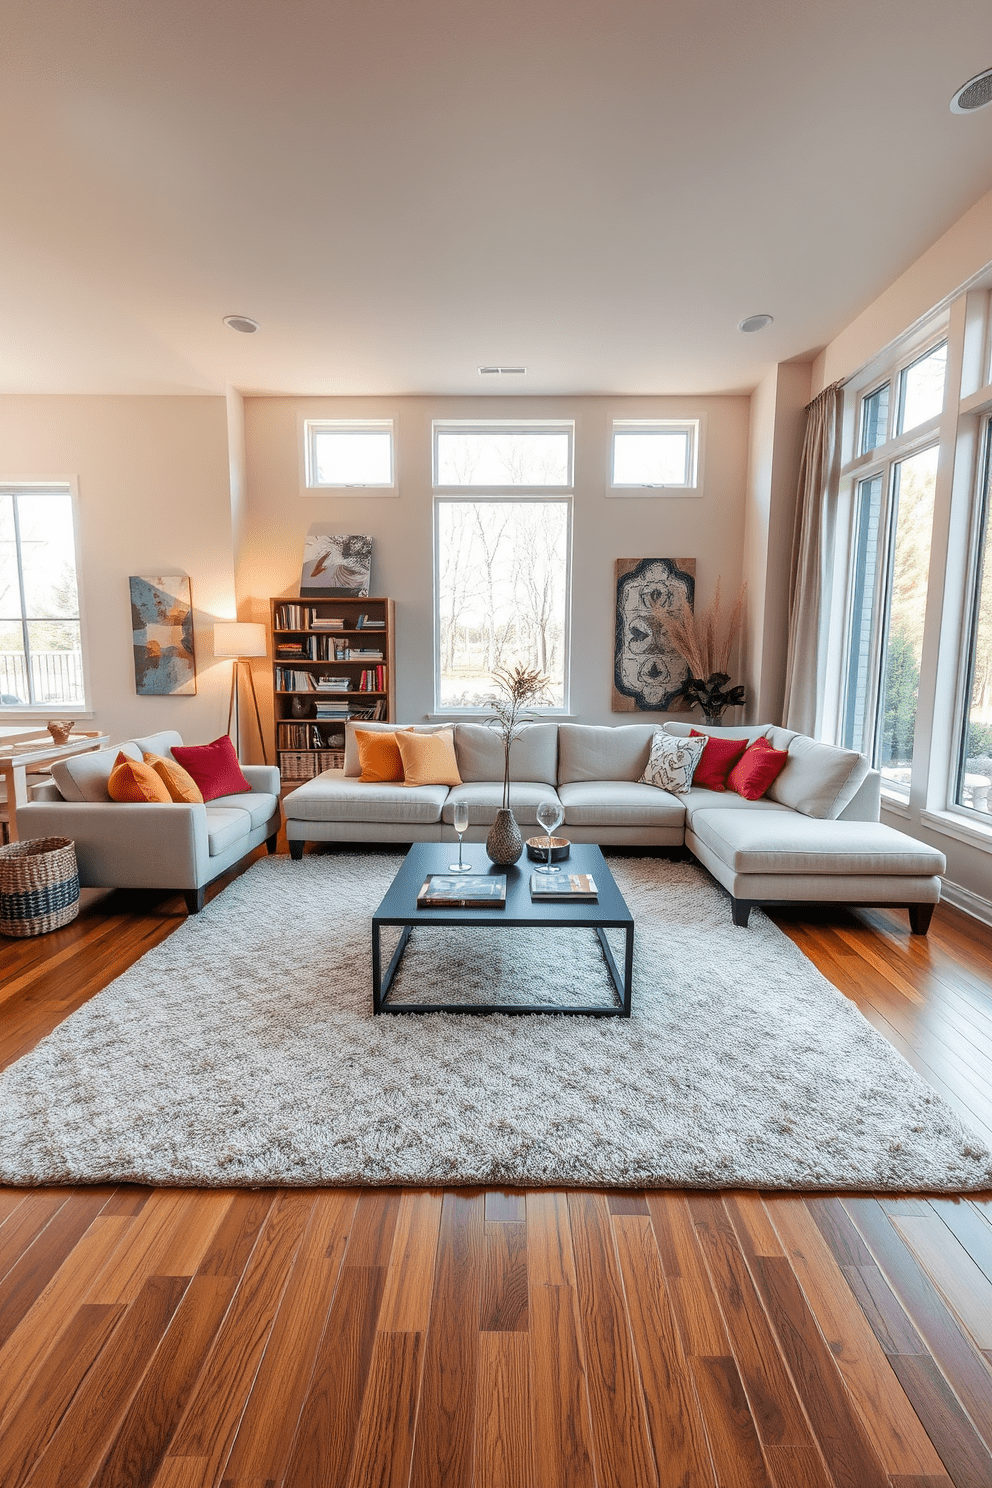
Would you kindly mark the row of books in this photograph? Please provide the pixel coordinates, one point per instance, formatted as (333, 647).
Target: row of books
(373, 679)
(306, 617)
(369, 622)
(488, 890)
(308, 736)
(329, 711)
(324, 648)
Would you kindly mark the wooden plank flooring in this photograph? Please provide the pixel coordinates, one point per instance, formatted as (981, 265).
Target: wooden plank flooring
(470, 1339)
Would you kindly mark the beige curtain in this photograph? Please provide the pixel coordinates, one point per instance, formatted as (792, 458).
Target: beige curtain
(812, 552)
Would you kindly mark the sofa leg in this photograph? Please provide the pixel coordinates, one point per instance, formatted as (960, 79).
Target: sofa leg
(742, 911)
(194, 899)
(270, 843)
(920, 916)
(296, 851)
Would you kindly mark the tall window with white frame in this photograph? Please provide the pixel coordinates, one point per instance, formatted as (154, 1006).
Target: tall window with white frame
(503, 510)
(894, 471)
(973, 785)
(41, 662)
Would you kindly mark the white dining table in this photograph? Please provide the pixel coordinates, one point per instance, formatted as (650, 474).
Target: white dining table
(29, 748)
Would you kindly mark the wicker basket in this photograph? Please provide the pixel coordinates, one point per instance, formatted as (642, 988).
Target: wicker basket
(39, 886)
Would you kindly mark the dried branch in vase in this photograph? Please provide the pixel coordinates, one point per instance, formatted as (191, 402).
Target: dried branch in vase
(518, 689)
(705, 642)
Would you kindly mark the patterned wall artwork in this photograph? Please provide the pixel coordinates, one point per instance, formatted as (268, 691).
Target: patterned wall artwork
(162, 625)
(647, 673)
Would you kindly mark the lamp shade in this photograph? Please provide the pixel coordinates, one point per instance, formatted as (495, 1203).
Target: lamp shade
(239, 638)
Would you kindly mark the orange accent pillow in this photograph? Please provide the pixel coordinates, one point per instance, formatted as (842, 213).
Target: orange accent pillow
(130, 780)
(378, 755)
(429, 759)
(178, 782)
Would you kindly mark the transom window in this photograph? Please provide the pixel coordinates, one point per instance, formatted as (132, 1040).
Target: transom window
(41, 663)
(350, 452)
(919, 397)
(650, 456)
(497, 455)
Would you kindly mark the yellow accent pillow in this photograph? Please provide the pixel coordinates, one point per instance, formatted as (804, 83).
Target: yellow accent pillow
(178, 782)
(130, 780)
(378, 755)
(429, 759)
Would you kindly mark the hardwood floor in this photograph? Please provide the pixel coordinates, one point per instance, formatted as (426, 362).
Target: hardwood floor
(507, 1340)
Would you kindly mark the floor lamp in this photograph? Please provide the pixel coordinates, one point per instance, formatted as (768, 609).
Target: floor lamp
(241, 639)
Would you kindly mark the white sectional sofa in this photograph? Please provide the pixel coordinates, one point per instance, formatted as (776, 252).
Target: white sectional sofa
(148, 845)
(815, 837)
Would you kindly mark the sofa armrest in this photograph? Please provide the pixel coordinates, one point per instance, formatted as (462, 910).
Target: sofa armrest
(263, 778)
(866, 803)
(124, 845)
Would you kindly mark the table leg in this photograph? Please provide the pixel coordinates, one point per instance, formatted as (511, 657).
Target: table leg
(16, 780)
(381, 984)
(623, 985)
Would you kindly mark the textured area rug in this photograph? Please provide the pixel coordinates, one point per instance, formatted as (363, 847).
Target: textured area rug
(242, 1050)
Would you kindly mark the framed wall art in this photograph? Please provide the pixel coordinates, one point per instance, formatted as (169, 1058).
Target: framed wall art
(335, 565)
(162, 636)
(648, 673)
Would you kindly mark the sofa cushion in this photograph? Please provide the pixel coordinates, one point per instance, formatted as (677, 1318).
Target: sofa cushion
(784, 842)
(484, 799)
(213, 766)
(260, 806)
(134, 781)
(334, 796)
(819, 779)
(533, 755)
(352, 764)
(719, 758)
(619, 803)
(160, 743)
(588, 751)
(756, 770)
(428, 759)
(224, 827)
(177, 781)
(84, 777)
(672, 762)
(699, 799)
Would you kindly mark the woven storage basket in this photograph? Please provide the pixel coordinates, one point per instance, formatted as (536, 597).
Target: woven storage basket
(39, 886)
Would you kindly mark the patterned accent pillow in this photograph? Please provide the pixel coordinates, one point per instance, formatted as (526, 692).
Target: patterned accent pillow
(672, 761)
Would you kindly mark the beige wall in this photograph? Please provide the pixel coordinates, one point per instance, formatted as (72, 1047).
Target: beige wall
(154, 498)
(709, 529)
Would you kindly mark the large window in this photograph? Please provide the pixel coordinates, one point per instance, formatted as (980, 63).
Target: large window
(894, 477)
(40, 649)
(974, 777)
(502, 557)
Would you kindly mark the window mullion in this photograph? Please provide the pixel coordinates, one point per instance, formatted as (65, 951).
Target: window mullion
(25, 634)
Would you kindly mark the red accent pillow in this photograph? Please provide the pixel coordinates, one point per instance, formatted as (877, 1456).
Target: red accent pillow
(214, 767)
(756, 769)
(718, 759)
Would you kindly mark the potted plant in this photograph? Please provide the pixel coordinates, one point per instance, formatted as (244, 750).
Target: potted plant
(518, 689)
(705, 643)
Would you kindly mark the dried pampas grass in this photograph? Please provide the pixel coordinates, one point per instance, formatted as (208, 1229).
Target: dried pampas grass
(706, 640)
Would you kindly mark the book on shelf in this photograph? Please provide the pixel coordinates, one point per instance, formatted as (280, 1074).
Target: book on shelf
(332, 684)
(463, 891)
(569, 887)
(318, 624)
(289, 680)
(368, 622)
(365, 653)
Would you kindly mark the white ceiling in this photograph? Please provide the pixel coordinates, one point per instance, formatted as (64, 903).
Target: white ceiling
(402, 190)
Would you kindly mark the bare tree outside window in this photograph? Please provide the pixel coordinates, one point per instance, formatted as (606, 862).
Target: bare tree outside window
(502, 594)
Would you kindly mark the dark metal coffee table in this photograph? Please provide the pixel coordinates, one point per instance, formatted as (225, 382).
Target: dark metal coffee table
(399, 907)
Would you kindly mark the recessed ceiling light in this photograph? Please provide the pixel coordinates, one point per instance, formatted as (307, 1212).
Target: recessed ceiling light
(242, 323)
(976, 93)
(502, 371)
(754, 323)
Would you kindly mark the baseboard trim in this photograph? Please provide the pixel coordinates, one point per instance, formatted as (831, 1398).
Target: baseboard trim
(972, 904)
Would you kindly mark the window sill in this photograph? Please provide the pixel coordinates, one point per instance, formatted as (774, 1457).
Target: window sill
(951, 824)
(10, 715)
(896, 805)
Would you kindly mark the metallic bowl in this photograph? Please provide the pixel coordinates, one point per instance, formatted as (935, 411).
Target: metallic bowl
(537, 849)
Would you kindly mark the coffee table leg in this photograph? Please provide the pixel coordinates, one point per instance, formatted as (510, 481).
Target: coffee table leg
(381, 984)
(621, 984)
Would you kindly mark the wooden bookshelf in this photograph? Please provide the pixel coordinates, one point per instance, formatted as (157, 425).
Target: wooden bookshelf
(318, 639)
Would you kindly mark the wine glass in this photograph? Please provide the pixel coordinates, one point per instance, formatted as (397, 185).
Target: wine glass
(460, 824)
(550, 815)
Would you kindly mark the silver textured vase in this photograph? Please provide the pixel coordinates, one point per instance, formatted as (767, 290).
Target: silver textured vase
(504, 843)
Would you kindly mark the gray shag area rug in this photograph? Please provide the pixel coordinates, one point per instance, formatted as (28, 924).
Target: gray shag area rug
(243, 1051)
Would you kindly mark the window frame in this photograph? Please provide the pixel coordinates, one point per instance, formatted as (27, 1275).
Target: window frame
(693, 426)
(980, 525)
(314, 426)
(502, 426)
(474, 496)
(57, 485)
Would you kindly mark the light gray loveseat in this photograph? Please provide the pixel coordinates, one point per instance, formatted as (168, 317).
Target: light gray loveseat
(815, 837)
(148, 845)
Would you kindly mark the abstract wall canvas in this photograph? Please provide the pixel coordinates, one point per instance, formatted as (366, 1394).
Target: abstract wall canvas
(647, 673)
(335, 565)
(162, 625)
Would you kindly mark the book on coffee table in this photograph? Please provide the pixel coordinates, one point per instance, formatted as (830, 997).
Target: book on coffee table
(563, 886)
(468, 891)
